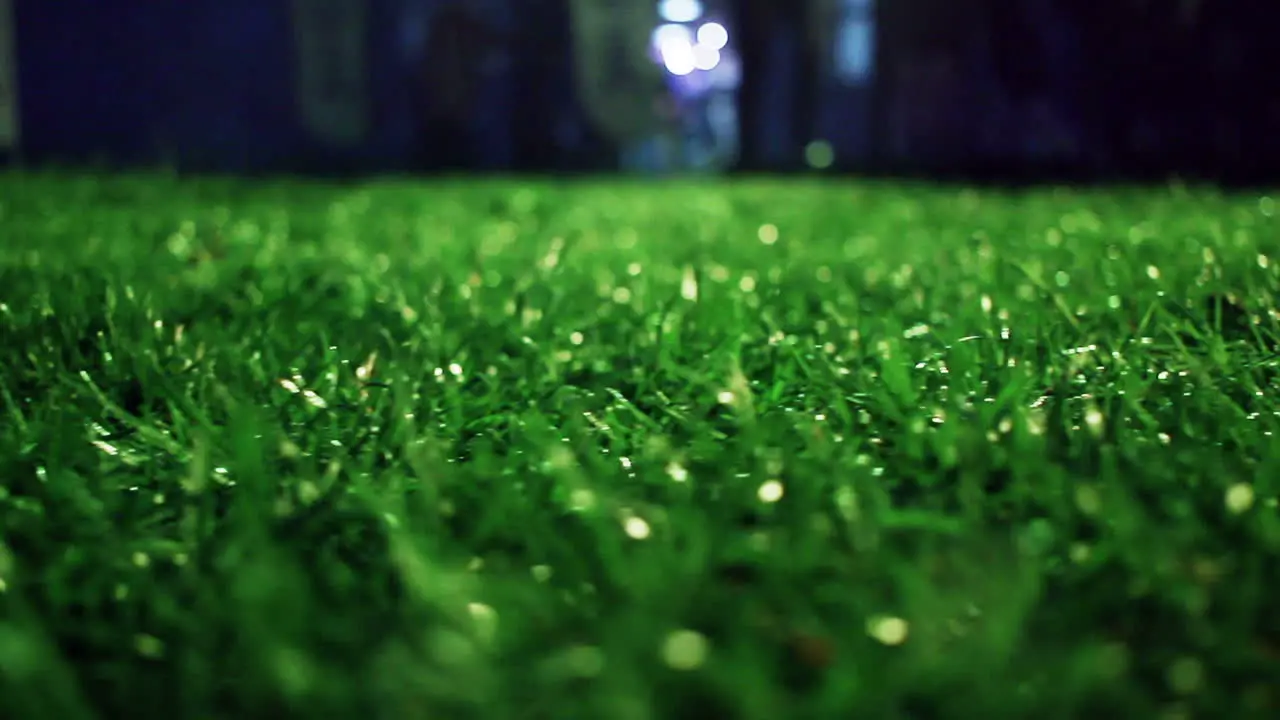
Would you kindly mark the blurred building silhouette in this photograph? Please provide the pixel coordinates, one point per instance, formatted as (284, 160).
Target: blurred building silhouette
(976, 87)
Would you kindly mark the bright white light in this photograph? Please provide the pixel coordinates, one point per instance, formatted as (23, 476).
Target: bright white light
(705, 57)
(665, 36)
(713, 35)
(680, 11)
(679, 59)
(675, 47)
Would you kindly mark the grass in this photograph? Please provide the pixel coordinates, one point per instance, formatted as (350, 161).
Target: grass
(615, 450)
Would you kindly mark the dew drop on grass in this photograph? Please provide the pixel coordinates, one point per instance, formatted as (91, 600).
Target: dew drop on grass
(1036, 421)
(770, 491)
(1094, 420)
(1088, 500)
(846, 499)
(148, 646)
(1037, 538)
(685, 650)
(308, 492)
(485, 619)
(1240, 498)
(888, 630)
(916, 331)
(582, 500)
(364, 373)
(294, 670)
(1080, 553)
(584, 661)
(636, 528)
(689, 285)
(677, 472)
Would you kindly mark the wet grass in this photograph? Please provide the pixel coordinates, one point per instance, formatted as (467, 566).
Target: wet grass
(609, 450)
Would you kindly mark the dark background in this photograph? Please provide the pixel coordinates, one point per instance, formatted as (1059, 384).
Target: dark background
(972, 89)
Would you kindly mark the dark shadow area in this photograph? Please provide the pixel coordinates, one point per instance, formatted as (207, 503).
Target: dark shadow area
(1007, 92)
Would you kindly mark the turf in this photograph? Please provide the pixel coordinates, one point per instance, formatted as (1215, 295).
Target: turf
(600, 449)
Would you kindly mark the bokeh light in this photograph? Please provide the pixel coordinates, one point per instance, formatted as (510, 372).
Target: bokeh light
(713, 35)
(680, 11)
(705, 57)
(819, 154)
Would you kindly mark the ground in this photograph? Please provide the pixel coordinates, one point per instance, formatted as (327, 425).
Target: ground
(602, 449)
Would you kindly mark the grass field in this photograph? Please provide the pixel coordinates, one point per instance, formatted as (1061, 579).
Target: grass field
(627, 451)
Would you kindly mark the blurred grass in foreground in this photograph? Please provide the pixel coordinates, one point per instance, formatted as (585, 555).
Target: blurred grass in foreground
(616, 450)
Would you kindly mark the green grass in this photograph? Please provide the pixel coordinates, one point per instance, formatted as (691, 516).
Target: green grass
(509, 450)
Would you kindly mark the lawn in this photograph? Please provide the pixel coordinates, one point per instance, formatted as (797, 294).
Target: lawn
(614, 450)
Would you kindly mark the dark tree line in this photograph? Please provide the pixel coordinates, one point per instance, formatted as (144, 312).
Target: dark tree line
(1173, 86)
(1153, 87)
(758, 22)
(1150, 86)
